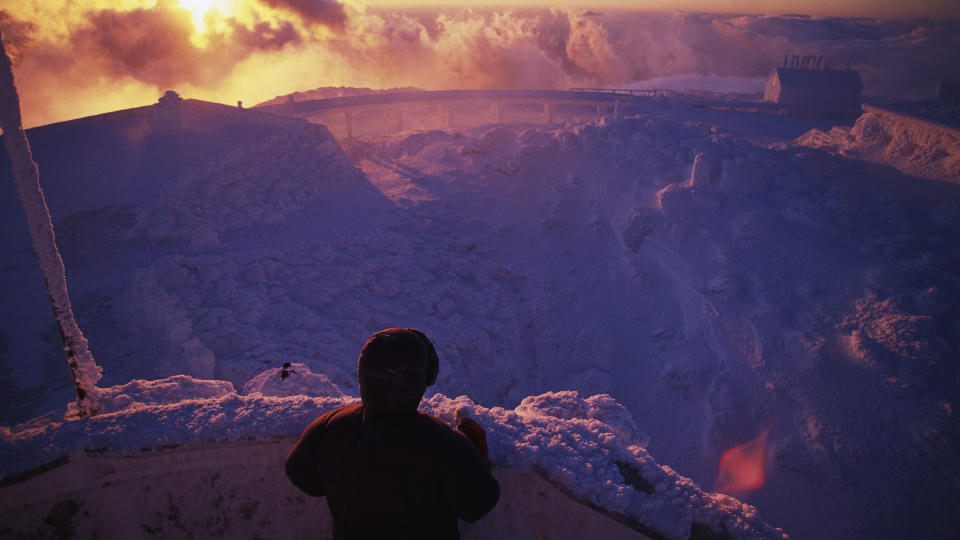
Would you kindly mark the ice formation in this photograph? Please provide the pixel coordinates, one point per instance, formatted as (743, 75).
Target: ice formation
(914, 145)
(83, 368)
(590, 448)
(717, 285)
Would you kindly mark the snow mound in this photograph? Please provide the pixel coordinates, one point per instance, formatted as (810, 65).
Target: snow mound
(140, 393)
(589, 448)
(915, 146)
(592, 449)
(292, 380)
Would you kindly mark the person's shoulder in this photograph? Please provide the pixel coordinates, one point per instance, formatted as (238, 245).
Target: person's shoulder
(338, 416)
(349, 409)
(431, 422)
(344, 414)
(440, 430)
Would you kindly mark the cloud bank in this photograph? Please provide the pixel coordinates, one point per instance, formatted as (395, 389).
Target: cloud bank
(81, 57)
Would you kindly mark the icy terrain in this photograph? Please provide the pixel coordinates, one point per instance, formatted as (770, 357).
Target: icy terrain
(590, 448)
(715, 286)
(911, 143)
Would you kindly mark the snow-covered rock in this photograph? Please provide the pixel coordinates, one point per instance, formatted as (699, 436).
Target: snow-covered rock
(292, 379)
(913, 145)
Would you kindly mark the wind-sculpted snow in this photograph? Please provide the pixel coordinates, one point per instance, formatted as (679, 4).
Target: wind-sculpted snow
(229, 194)
(590, 448)
(914, 145)
(716, 287)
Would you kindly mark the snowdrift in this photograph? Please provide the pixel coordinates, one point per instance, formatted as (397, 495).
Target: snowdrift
(581, 455)
(909, 142)
(715, 287)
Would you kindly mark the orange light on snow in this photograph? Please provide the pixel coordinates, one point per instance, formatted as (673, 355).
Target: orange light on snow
(742, 467)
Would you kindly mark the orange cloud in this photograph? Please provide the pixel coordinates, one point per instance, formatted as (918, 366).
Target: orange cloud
(325, 12)
(78, 57)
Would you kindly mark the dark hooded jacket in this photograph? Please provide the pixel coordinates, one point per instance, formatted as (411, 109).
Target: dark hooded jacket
(388, 470)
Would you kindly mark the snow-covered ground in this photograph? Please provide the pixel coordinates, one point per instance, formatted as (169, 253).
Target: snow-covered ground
(716, 283)
(915, 145)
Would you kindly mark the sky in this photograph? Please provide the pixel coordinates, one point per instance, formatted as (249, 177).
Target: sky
(842, 8)
(75, 58)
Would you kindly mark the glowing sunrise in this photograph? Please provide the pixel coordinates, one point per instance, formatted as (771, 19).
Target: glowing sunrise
(81, 58)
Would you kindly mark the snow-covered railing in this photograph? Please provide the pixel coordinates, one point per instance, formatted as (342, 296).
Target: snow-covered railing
(446, 103)
(617, 91)
(433, 96)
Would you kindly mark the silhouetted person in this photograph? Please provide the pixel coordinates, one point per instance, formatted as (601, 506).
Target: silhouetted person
(388, 470)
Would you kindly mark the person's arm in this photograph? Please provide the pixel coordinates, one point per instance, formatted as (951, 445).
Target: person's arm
(469, 427)
(301, 464)
(466, 485)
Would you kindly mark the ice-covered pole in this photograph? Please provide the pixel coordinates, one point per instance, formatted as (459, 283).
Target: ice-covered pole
(84, 370)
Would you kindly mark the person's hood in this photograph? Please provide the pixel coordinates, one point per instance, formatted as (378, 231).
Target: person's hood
(395, 368)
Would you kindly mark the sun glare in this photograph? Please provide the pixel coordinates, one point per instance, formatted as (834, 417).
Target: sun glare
(203, 11)
(742, 467)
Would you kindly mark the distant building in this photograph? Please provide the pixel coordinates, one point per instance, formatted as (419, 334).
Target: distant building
(168, 113)
(807, 84)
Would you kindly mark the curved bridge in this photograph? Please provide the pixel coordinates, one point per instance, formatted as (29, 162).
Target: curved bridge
(399, 110)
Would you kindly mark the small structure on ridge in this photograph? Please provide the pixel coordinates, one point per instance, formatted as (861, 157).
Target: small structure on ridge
(809, 82)
(168, 113)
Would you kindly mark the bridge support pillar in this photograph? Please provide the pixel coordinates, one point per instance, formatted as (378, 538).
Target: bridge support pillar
(399, 113)
(348, 117)
(617, 110)
(444, 116)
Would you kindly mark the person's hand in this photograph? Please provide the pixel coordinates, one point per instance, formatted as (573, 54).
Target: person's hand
(477, 436)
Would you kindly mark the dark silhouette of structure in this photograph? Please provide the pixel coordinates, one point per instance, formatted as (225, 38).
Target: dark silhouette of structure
(810, 82)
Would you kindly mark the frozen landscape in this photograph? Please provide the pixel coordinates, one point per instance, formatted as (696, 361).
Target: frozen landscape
(622, 302)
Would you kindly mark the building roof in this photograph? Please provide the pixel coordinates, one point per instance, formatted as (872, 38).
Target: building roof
(834, 78)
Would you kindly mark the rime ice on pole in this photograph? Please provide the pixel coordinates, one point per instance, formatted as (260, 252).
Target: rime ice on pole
(83, 368)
